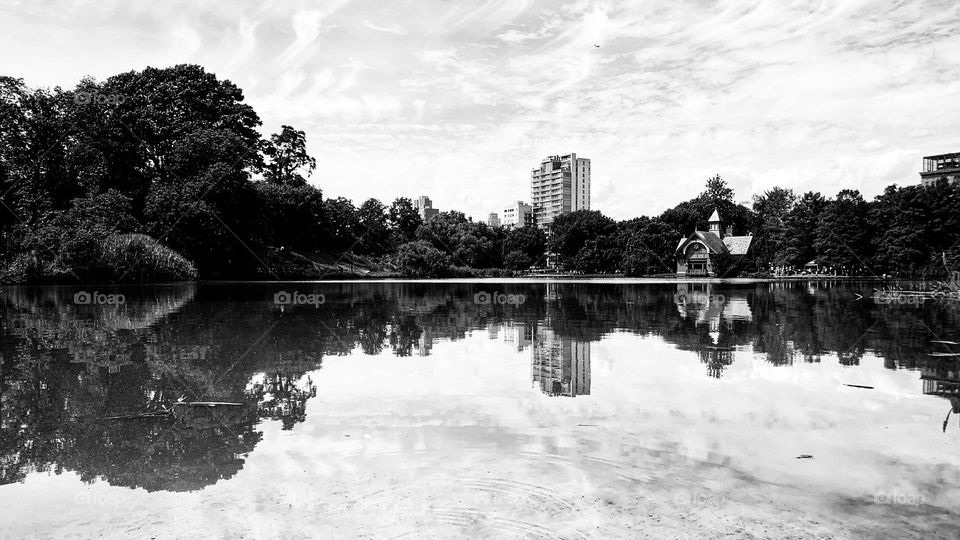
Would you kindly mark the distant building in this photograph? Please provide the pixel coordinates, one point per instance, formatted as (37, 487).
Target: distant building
(425, 208)
(493, 220)
(519, 214)
(945, 167)
(561, 184)
(695, 253)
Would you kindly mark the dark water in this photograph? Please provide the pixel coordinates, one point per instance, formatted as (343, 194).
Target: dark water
(601, 387)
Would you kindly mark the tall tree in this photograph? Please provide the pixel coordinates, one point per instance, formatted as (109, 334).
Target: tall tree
(771, 209)
(287, 157)
(374, 229)
(842, 238)
(800, 229)
(404, 220)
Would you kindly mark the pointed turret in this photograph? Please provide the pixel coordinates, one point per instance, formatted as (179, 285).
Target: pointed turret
(714, 223)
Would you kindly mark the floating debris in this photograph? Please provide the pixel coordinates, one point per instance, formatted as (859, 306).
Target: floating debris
(152, 414)
(208, 403)
(945, 342)
(944, 354)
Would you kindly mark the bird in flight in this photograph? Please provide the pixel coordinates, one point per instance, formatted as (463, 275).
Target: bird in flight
(595, 45)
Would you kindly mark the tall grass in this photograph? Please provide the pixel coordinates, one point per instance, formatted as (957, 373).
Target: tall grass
(138, 257)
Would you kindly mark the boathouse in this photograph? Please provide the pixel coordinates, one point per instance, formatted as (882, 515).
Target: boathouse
(696, 252)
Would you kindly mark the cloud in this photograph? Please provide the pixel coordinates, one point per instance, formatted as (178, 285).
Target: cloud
(399, 30)
(458, 102)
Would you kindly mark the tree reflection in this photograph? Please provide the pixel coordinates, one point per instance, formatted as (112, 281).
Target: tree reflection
(64, 367)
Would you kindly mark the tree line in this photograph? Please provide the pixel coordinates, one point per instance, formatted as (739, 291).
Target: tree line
(162, 174)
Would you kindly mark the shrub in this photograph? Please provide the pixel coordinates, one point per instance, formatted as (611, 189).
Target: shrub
(517, 260)
(421, 259)
(138, 257)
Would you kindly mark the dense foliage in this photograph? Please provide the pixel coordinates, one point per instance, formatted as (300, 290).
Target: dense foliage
(162, 174)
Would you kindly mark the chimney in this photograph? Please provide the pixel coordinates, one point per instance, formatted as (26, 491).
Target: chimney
(729, 230)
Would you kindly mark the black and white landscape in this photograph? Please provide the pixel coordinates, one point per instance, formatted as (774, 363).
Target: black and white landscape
(502, 269)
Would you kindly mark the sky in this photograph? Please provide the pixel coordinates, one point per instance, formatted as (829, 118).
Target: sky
(459, 100)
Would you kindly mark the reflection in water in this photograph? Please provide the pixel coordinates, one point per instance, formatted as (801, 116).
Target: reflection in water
(68, 371)
(280, 397)
(560, 365)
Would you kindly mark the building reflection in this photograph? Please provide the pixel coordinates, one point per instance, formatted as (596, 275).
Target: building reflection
(559, 365)
(941, 377)
(717, 313)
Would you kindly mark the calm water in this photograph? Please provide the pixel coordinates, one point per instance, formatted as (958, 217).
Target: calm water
(484, 409)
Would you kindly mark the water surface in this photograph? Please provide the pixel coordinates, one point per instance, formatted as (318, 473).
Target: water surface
(485, 409)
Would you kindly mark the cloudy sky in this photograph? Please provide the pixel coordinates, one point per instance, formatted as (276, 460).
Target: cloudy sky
(459, 100)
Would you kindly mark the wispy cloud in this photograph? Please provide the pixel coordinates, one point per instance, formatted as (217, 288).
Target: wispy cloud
(459, 101)
(399, 30)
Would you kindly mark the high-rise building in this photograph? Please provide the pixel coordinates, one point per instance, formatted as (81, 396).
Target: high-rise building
(493, 220)
(424, 207)
(519, 214)
(945, 167)
(561, 184)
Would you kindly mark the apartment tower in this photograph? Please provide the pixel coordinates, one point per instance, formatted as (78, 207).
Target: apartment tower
(561, 184)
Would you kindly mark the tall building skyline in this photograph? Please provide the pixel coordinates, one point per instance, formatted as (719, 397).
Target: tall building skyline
(424, 207)
(561, 184)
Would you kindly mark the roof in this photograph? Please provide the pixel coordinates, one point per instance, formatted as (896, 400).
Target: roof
(715, 216)
(711, 240)
(737, 245)
(942, 156)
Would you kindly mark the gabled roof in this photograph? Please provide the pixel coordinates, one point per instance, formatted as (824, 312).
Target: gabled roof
(737, 245)
(715, 216)
(712, 241)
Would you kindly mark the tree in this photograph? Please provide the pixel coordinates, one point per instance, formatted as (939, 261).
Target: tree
(468, 244)
(342, 223)
(404, 220)
(292, 216)
(287, 157)
(648, 247)
(374, 231)
(800, 229)
(421, 259)
(717, 192)
(517, 260)
(526, 245)
(842, 239)
(771, 209)
(569, 233)
(598, 256)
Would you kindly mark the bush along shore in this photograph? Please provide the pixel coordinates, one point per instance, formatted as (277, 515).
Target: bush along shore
(175, 182)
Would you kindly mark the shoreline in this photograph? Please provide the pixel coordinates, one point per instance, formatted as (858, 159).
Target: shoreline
(543, 278)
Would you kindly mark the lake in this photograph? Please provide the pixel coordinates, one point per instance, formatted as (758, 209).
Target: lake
(491, 409)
